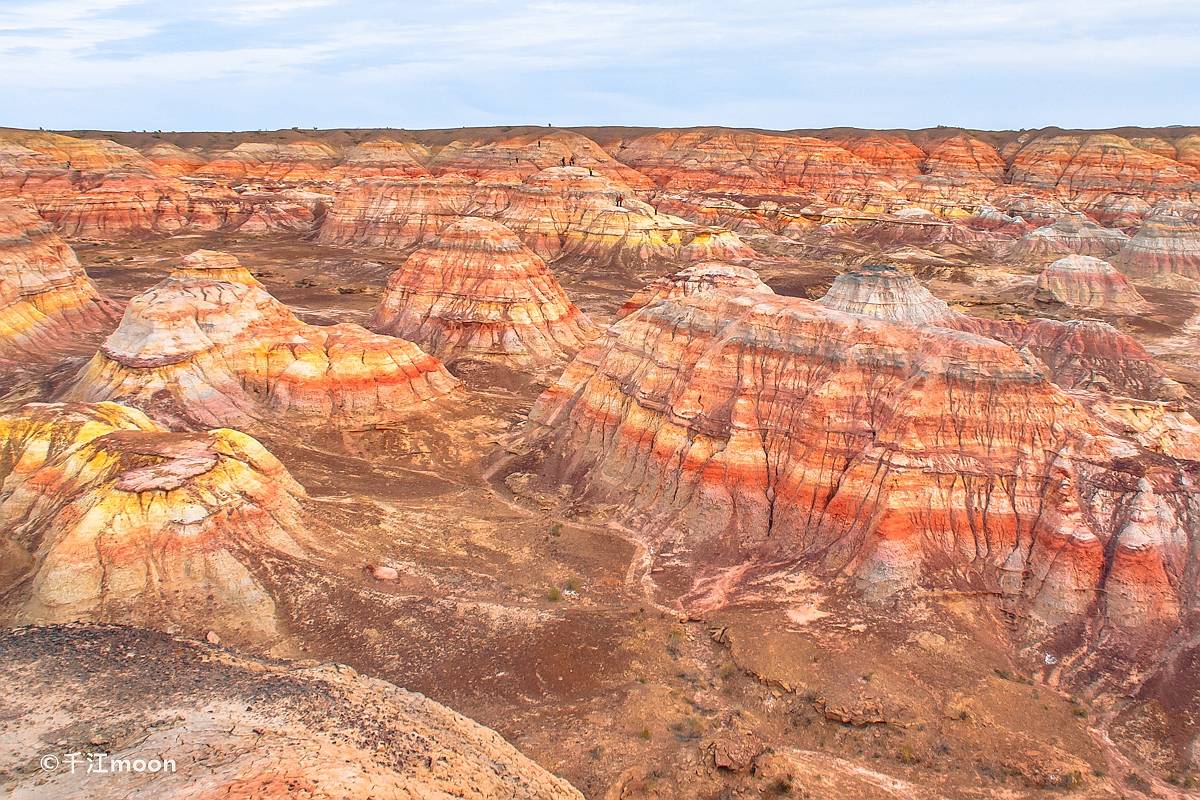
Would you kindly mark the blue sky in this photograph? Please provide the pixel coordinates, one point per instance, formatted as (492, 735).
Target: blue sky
(226, 65)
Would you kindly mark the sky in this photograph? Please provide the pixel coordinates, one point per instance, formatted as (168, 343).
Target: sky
(782, 64)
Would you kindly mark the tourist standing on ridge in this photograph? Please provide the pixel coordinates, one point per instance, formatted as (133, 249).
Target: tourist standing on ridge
(620, 200)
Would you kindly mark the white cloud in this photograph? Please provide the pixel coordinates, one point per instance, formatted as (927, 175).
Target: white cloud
(760, 48)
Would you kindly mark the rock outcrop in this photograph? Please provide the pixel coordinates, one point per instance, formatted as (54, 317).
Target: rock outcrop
(171, 159)
(695, 280)
(97, 189)
(294, 162)
(381, 157)
(896, 157)
(1080, 355)
(1087, 282)
(397, 213)
(958, 176)
(281, 730)
(47, 302)
(734, 428)
(1091, 170)
(203, 352)
(514, 159)
(1165, 246)
(752, 163)
(1076, 355)
(477, 291)
(565, 213)
(561, 213)
(107, 516)
(1075, 234)
(885, 292)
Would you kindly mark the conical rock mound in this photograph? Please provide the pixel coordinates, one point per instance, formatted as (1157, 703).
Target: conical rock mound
(733, 428)
(380, 157)
(1166, 245)
(107, 516)
(701, 278)
(215, 266)
(1076, 234)
(1087, 282)
(202, 352)
(477, 291)
(47, 301)
(572, 214)
(884, 292)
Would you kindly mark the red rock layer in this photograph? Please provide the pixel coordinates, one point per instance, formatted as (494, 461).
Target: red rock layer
(477, 291)
(1080, 354)
(203, 352)
(396, 213)
(171, 159)
(567, 213)
(214, 265)
(559, 212)
(734, 427)
(90, 188)
(958, 176)
(515, 159)
(47, 302)
(1075, 355)
(749, 163)
(294, 162)
(1087, 168)
(701, 278)
(1075, 234)
(381, 158)
(109, 517)
(1164, 246)
(1086, 282)
(1187, 150)
(894, 156)
(716, 244)
(885, 292)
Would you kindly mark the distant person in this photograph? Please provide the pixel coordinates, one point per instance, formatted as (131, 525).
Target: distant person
(572, 161)
(563, 160)
(620, 201)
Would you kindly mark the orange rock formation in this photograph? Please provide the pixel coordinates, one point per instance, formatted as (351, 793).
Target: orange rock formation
(381, 157)
(47, 301)
(107, 516)
(698, 279)
(1087, 282)
(741, 427)
(512, 160)
(295, 162)
(1164, 246)
(884, 292)
(397, 213)
(1075, 234)
(208, 351)
(477, 291)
